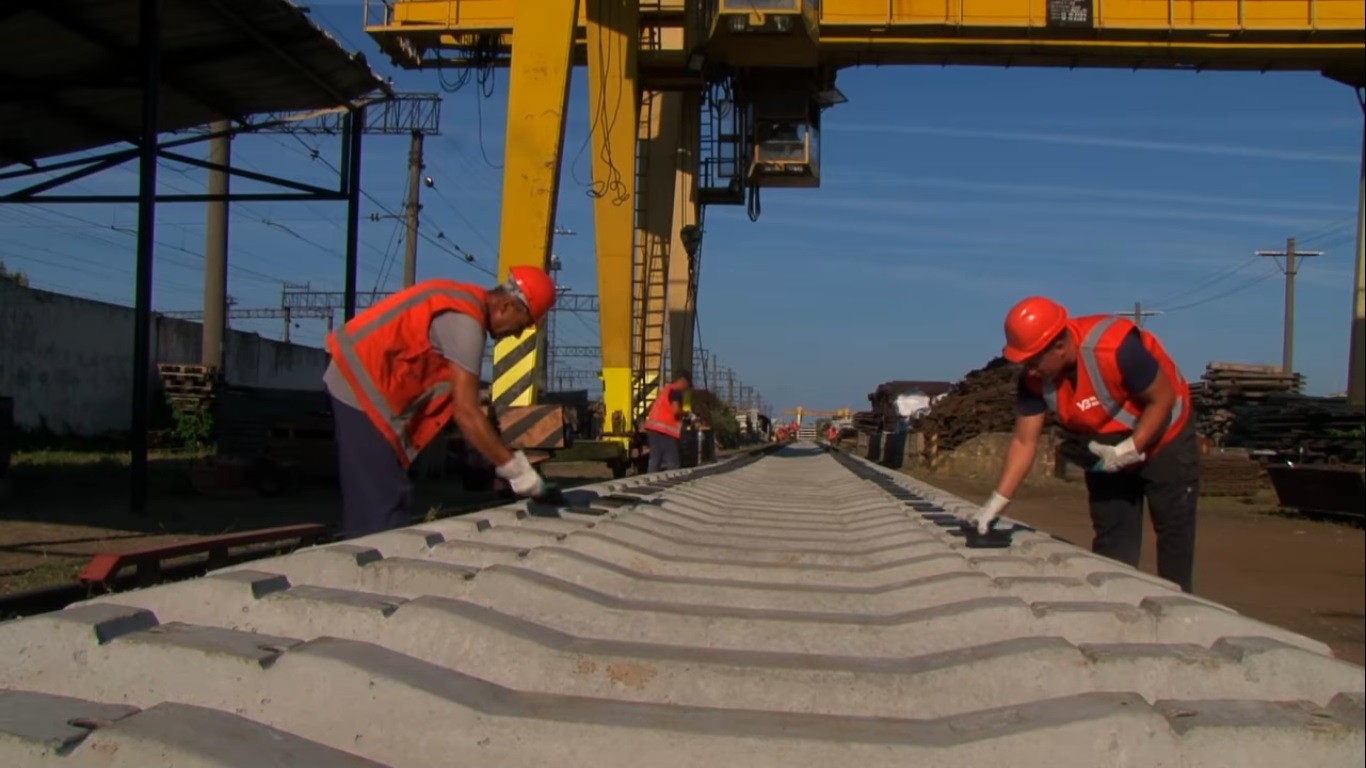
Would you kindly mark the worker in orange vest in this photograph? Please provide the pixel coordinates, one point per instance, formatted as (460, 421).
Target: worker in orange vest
(402, 369)
(1114, 388)
(663, 425)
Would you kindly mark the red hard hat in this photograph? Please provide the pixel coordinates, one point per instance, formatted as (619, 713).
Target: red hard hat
(536, 289)
(1031, 325)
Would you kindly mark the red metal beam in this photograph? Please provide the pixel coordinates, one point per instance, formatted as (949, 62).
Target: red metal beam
(103, 567)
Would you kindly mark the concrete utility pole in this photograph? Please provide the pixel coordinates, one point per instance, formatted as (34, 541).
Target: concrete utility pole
(412, 209)
(1139, 313)
(216, 251)
(1290, 267)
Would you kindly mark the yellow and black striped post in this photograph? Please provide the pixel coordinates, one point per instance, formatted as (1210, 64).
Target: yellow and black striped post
(514, 370)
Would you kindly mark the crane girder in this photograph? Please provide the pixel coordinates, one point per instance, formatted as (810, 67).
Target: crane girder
(1253, 35)
(676, 53)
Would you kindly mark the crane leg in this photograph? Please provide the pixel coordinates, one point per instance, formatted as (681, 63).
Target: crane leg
(659, 132)
(538, 96)
(682, 265)
(613, 35)
(1356, 366)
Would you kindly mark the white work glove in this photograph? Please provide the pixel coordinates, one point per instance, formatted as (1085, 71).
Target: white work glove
(521, 476)
(989, 512)
(1115, 457)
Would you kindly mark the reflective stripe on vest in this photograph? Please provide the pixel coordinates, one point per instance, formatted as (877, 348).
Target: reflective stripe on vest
(345, 341)
(1086, 353)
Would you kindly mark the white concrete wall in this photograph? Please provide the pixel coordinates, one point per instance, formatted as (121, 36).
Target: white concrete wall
(67, 362)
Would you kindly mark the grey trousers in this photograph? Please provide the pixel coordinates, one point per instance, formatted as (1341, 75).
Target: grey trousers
(663, 451)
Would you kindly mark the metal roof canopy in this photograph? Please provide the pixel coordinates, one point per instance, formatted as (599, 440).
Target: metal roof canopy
(69, 67)
(100, 72)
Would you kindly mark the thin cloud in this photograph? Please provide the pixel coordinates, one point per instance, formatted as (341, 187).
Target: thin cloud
(995, 210)
(1109, 142)
(1068, 191)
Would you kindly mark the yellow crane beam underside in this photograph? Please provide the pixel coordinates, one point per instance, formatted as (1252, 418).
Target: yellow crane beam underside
(538, 97)
(660, 131)
(1313, 35)
(613, 107)
(662, 124)
(682, 295)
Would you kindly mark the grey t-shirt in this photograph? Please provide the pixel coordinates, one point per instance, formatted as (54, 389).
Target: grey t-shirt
(457, 337)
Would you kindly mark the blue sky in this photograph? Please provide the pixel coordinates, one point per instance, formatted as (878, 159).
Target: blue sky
(948, 195)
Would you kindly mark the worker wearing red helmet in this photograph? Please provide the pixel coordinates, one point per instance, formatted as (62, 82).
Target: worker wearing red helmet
(404, 368)
(1112, 386)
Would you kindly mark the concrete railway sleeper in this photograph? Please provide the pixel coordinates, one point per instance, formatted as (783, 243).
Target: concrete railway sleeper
(795, 609)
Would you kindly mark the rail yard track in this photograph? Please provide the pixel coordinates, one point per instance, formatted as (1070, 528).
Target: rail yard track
(789, 608)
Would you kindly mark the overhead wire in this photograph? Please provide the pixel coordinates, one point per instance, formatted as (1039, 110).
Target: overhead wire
(1225, 294)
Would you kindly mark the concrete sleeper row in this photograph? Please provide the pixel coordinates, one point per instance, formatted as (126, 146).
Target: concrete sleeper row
(781, 610)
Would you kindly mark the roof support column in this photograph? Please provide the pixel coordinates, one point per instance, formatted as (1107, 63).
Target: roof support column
(354, 128)
(1356, 367)
(149, 41)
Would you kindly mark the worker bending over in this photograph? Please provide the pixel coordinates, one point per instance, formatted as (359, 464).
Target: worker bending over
(402, 369)
(1114, 388)
(663, 426)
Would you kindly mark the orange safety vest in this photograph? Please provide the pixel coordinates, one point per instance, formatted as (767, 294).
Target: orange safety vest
(400, 380)
(661, 417)
(1099, 405)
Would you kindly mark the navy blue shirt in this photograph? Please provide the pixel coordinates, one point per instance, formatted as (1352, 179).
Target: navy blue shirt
(1137, 367)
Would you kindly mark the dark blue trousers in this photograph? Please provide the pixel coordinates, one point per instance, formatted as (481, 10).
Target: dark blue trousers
(377, 494)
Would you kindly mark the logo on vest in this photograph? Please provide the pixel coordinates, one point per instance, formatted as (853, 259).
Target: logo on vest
(1087, 403)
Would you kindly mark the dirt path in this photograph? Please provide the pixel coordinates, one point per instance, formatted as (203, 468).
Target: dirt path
(1304, 575)
(53, 521)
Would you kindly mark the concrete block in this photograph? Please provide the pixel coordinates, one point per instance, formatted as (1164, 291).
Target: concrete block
(34, 726)
(172, 735)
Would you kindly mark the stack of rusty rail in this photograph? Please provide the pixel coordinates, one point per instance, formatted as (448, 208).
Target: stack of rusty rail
(190, 387)
(1227, 387)
(1301, 429)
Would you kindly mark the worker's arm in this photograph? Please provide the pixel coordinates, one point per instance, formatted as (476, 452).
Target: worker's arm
(1030, 410)
(460, 339)
(676, 400)
(471, 420)
(1024, 447)
(1149, 387)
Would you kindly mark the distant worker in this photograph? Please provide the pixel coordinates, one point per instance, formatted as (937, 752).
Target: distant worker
(663, 425)
(404, 368)
(1115, 389)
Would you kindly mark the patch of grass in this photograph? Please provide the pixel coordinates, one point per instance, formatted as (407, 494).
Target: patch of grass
(50, 573)
(77, 458)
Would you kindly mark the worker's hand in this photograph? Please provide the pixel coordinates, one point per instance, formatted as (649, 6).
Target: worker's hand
(989, 511)
(1115, 457)
(522, 477)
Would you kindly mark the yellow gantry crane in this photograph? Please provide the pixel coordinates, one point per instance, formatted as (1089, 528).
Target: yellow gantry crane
(837, 415)
(706, 102)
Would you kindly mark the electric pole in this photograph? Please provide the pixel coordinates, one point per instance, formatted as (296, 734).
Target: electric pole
(1138, 313)
(413, 208)
(1290, 267)
(211, 350)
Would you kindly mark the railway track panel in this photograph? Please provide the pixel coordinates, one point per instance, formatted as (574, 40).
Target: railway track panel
(797, 609)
